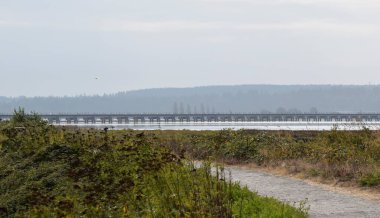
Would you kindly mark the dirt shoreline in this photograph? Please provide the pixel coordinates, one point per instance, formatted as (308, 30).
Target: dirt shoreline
(350, 188)
(322, 200)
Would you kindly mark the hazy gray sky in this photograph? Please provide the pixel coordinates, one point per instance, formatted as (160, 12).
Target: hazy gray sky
(52, 47)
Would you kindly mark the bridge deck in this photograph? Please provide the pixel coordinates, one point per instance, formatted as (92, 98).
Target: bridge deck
(190, 118)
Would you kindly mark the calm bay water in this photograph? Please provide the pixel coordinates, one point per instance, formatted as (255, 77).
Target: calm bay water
(319, 126)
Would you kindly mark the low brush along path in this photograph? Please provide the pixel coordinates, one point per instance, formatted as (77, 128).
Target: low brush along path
(322, 202)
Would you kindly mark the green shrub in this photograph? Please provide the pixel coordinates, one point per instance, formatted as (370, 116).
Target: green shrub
(67, 172)
(313, 172)
(346, 155)
(371, 179)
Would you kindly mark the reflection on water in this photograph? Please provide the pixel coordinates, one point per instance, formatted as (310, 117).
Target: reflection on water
(237, 125)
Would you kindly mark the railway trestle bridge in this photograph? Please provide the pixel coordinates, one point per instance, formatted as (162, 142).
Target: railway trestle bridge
(76, 119)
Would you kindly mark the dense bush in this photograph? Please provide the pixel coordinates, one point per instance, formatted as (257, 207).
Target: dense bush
(347, 155)
(66, 172)
(371, 179)
(45, 166)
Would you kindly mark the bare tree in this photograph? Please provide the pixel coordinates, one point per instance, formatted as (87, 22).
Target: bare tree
(181, 108)
(313, 110)
(175, 108)
(188, 109)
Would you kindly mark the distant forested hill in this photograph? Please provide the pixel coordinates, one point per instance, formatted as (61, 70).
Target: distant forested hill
(221, 99)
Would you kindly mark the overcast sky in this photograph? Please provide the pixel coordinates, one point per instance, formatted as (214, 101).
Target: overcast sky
(52, 47)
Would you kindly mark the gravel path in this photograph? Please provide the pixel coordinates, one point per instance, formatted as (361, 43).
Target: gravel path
(323, 203)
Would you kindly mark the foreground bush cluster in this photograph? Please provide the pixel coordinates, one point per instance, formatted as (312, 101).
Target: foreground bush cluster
(56, 172)
(345, 155)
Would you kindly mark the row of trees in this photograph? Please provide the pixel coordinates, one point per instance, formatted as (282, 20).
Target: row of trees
(221, 99)
(180, 108)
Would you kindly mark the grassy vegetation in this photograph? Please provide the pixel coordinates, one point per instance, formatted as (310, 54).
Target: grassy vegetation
(47, 171)
(352, 156)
